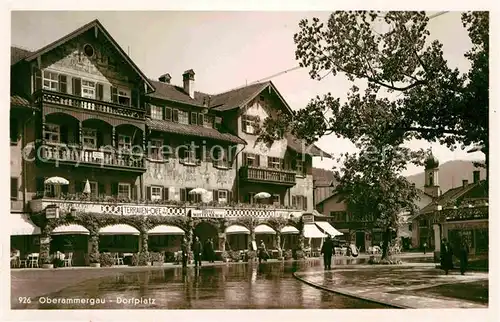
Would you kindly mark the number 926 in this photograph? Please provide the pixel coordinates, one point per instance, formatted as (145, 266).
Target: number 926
(24, 300)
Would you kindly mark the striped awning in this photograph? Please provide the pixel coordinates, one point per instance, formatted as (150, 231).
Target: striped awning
(166, 230)
(237, 229)
(72, 229)
(312, 231)
(22, 225)
(120, 229)
(264, 229)
(289, 230)
(327, 228)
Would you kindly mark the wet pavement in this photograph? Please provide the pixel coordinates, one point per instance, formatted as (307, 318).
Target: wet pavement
(412, 285)
(227, 286)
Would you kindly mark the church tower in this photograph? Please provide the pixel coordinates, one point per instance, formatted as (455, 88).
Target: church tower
(431, 186)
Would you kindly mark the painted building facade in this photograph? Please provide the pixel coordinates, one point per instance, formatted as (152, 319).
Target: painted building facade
(132, 150)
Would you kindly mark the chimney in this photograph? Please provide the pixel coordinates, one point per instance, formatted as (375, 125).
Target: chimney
(188, 81)
(476, 175)
(165, 78)
(465, 183)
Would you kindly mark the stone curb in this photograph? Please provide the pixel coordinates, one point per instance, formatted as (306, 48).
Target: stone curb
(321, 287)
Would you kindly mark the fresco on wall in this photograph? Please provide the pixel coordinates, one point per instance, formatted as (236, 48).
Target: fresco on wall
(179, 175)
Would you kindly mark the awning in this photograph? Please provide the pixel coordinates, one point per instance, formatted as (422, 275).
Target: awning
(166, 230)
(327, 228)
(237, 229)
(22, 225)
(120, 229)
(312, 231)
(72, 229)
(264, 229)
(289, 230)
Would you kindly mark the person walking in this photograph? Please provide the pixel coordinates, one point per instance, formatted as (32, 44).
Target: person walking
(327, 251)
(210, 250)
(197, 251)
(446, 256)
(425, 248)
(184, 251)
(262, 252)
(464, 256)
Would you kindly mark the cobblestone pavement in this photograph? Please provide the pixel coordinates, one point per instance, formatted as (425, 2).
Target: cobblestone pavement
(406, 286)
(224, 286)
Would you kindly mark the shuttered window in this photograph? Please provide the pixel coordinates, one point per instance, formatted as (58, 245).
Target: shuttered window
(14, 188)
(168, 114)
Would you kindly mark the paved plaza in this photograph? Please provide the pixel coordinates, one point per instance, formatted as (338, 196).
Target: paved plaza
(411, 285)
(272, 285)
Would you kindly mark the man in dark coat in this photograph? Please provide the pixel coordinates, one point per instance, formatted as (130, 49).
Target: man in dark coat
(263, 255)
(446, 256)
(209, 250)
(327, 251)
(184, 249)
(464, 256)
(197, 251)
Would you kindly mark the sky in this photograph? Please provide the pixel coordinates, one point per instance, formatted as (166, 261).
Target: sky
(230, 49)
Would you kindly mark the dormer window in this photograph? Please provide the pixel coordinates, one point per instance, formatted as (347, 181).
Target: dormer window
(249, 124)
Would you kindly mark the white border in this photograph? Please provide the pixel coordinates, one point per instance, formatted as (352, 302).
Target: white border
(252, 315)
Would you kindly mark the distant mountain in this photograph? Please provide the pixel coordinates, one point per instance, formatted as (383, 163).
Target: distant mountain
(451, 174)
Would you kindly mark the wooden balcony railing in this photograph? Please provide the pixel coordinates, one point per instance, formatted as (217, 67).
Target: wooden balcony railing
(267, 175)
(88, 104)
(62, 154)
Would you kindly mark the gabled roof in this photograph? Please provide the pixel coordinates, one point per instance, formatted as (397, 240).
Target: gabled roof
(297, 146)
(17, 54)
(323, 177)
(193, 130)
(239, 97)
(173, 93)
(450, 197)
(81, 30)
(16, 100)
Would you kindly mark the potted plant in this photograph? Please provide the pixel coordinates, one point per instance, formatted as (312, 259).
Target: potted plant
(156, 258)
(224, 256)
(287, 254)
(105, 259)
(48, 262)
(94, 260)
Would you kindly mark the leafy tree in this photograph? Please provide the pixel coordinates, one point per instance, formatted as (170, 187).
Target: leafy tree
(411, 93)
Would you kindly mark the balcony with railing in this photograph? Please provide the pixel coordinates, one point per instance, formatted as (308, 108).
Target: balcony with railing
(80, 156)
(87, 104)
(267, 175)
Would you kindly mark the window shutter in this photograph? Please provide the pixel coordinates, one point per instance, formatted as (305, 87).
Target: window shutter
(148, 193)
(135, 98)
(13, 188)
(243, 124)
(175, 115)
(165, 193)
(101, 189)
(229, 196)
(215, 194)
(194, 118)
(148, 109)
(77, 87)
(200, 119)
(114, 189)
(244, 157)
(37, 78)
(305, 203)
(167, 114)
(114, 94)
(294, 201)
(257, 160)
(63, 84)
(183, 194)
(100, 92)
(133, 193)
(40, 185)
